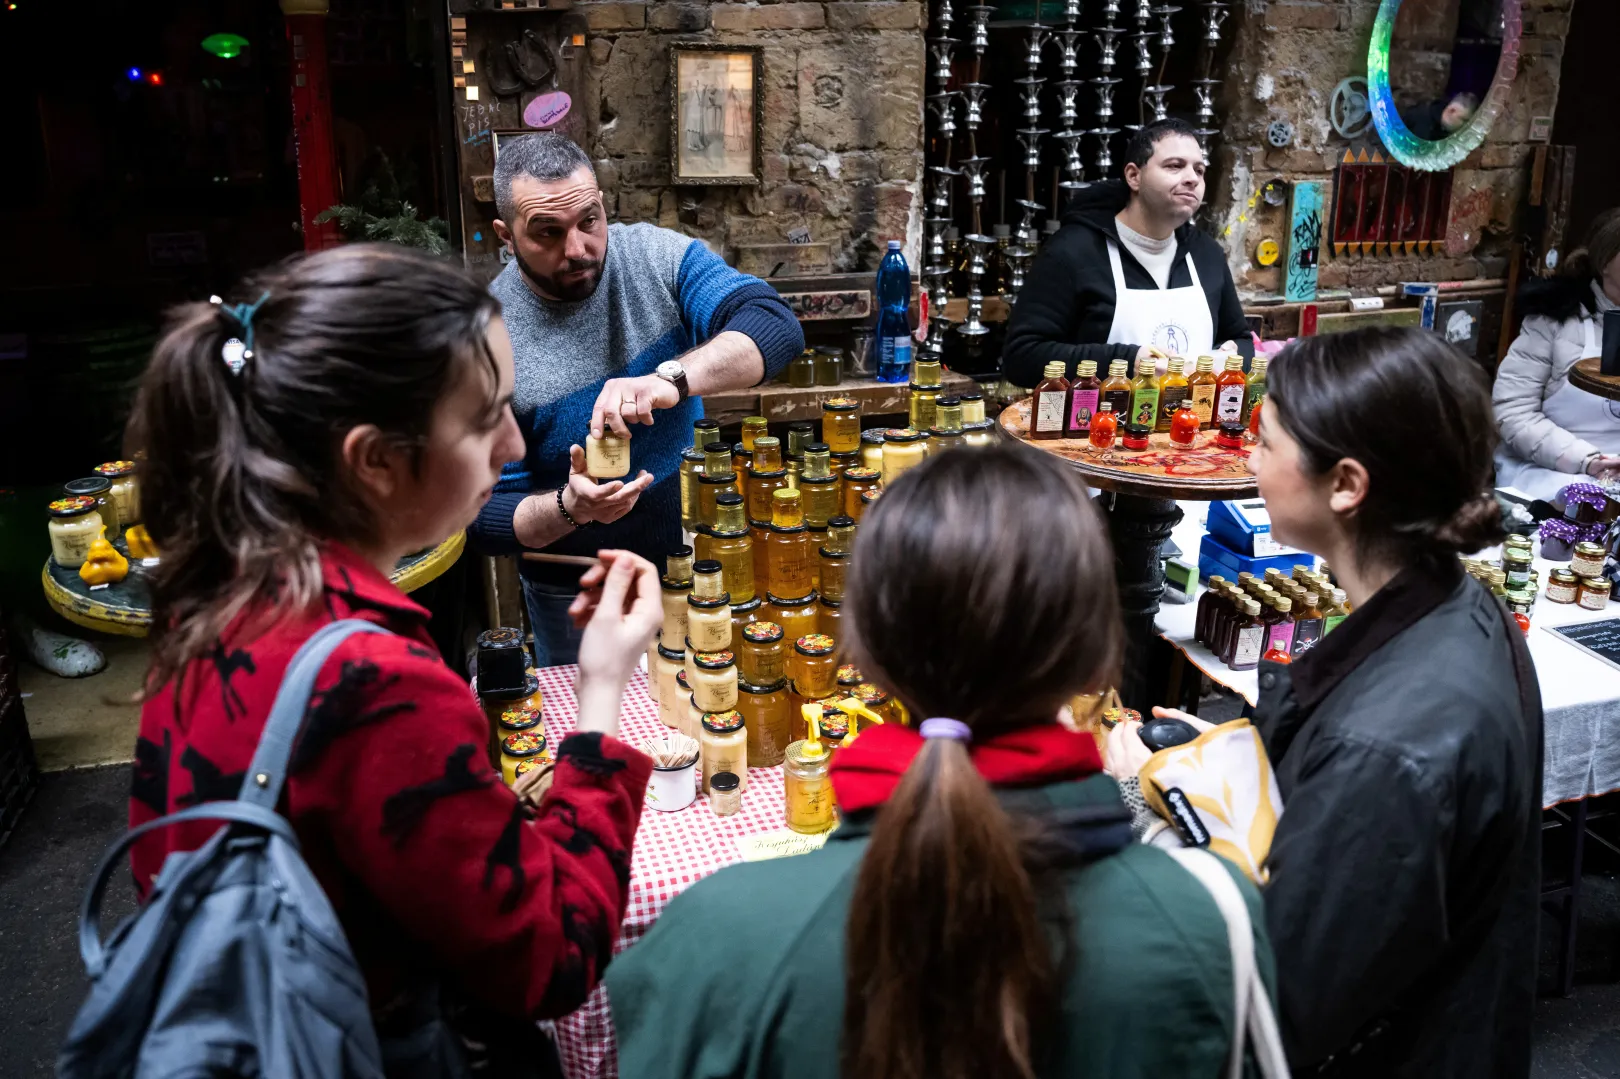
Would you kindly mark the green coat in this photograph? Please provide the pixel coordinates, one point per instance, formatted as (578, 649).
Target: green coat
(743, 974)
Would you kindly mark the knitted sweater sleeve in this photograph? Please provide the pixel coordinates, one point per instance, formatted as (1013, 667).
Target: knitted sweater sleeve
(714, 297)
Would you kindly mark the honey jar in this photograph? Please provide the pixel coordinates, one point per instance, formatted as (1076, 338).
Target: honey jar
(724, 747)
(767, 718)
(761, 654)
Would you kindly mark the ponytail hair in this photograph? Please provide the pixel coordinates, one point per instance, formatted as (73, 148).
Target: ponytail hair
(241, 478)
(983, 589)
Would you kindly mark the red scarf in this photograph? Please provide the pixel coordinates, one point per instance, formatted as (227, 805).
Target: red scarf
(865, 774)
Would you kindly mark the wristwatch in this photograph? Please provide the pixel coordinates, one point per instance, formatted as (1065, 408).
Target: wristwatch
(673, 373)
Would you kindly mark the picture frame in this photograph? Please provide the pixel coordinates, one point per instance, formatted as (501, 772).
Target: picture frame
(716, 115)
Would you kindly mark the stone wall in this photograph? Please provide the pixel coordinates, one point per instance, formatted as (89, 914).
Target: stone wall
(843, 101)
(1287, 57)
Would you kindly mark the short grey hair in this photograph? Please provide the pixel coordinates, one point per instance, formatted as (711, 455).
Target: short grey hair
(545, 155)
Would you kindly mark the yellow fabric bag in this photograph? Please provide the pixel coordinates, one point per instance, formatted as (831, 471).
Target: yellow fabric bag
(1223, 777)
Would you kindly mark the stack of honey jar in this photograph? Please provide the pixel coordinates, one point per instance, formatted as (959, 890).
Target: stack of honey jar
(1270, 617)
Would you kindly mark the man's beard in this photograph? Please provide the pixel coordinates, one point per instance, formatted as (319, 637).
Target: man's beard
(550, 286)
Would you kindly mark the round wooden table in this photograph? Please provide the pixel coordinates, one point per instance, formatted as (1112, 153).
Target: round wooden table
(125, 608)
(1143, 487)
(1586, 375)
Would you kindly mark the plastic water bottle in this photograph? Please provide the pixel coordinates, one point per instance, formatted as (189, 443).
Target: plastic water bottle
(893, 345)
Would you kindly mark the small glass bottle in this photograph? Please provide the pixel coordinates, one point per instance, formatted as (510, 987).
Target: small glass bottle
(1174, 388)
(807, 792)
(856, 482)
(1047, 413)
(754, 428)
(1103, 427)
(841, 424)
(868, 499)
(1084, 396)
(767, 716)
(1230, 436)
(704, 431)
(1116, 390)
(1230, 386)
(972, 407)
(691, 482)
(903, 450)
(1184, 424)
(921, 403)
(729, 544)
(1207, 605)
(1279, 620)
(1201, 390)
(1145, 393)
(1308, 625)
(872, 448)
(1254, 390)
(789, 554)
(723, 746)
(819, 492)
(725, 794)
(1247, 637)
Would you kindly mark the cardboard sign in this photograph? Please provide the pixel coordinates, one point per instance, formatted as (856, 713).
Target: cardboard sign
(780, 844)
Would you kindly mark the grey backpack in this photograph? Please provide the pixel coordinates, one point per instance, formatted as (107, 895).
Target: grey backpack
(236, 964)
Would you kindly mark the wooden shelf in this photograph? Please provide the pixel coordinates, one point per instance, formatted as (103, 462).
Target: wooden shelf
(779, 402)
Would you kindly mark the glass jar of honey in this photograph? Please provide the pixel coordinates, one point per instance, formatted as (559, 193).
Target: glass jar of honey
(927, 373)
(672, 697)
(872, 440)
(849, 676)
(841, 424)
(669, 663)
(519, 747)
(819, 493)
(834, 728)
(760, 533)
(830, 617)
(789, 553)
(741, 459)
(797, 617)
(74, 525)
(761, 653)
(674, 597)
(100, 489)
(754, 428)
(691, 477)
(833, 568)
(801, 370)
(903, 450)
(607, 457)
(724, 746)
(868, 498)
(704, 431)
(714, 685)
(126, 490)
(767, 714)
(940, 440)
(524, 717)
(729, 544)
(725, 793)
(843, 462)
(800, 435)
(708, 624)
(878, 701)
(708, 580)
(743, 615)
(813, 666)
(972, 408)
(829, 365)
(923, 401)
(807, 792)
(856, 481)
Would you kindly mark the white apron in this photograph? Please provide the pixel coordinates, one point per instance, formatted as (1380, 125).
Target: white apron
(1584, 415)
(1176, 321)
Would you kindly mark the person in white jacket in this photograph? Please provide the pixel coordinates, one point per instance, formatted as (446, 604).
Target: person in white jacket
(1552, 433)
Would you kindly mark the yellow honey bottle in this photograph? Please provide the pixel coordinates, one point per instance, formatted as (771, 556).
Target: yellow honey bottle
(729, 544)
(819, 492)
(807, 790)
(789, 554)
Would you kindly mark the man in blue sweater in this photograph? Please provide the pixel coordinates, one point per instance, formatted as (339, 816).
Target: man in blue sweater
(610, 324)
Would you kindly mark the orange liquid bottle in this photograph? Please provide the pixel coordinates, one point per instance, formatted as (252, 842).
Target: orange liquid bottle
(1230, 389)
(1201, 388)
(1184, 424)
(1104, 425)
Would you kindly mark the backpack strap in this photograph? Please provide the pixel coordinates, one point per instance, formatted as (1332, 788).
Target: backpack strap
(267, 773)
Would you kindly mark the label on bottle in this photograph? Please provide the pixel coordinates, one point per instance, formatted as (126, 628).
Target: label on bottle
(1049, 411)
(1169, 403)
(1307, 631)
(1331, 623)
(1246, 649)
(1280, 636)
(1254, 392)
(1203, 399)
(1081, 406)
(1145, 407)
(901, 353)
(1229, 404)
(1119, 402)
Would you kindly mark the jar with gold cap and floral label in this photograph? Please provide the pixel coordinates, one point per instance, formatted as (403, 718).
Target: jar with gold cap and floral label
(724, 746)
(714, 682)
(523, 745)
(74, 525)
(813, 666)
(841, 424)
(126, 490)
(834, 727)
(761, 653)
(525, 717)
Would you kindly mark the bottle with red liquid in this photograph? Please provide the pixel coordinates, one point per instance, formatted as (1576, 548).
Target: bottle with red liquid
(1104, 425)
(1184, 424)
(1083, 397)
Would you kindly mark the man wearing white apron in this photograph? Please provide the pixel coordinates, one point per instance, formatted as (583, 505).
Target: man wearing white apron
(1128, 272)
(1552, 433)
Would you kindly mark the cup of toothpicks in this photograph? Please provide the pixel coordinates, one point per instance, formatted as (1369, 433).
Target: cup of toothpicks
(674, 779)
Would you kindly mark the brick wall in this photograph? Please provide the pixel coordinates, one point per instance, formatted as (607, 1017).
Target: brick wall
(843, 97)
(1287, 57)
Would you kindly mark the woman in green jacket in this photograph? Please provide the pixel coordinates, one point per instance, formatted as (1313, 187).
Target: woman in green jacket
(980, 912)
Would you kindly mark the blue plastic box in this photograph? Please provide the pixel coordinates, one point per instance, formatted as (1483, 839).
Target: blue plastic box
(1215, 557)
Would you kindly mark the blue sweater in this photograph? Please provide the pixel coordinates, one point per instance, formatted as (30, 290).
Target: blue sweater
(661, 294)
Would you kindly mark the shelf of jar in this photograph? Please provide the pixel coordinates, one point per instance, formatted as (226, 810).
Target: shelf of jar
(779, 402)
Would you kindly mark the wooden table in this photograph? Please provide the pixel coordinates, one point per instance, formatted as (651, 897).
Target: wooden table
(125, 608)
(1587, 375)
(1143, 486)
(779, 402)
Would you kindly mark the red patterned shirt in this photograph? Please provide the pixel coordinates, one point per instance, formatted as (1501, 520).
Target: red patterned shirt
(433, 865)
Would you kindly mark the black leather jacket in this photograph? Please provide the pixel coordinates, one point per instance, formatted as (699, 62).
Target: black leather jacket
(1405, 871)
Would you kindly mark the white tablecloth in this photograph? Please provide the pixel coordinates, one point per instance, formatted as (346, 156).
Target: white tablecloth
(1580, 694)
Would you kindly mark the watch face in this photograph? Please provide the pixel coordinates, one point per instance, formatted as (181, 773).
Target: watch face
(670, 369)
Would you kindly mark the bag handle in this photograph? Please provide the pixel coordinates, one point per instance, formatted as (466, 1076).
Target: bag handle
(265, 776)
(1254, 1022)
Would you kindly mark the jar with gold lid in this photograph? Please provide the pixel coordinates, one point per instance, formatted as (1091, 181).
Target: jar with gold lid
(872, 449)
(813, 666)
(1563, 586)
(857, 481)
(972, 408)
(789, 554)
(1586, 560)
(607, 457)
(841, 424)
(797, 617)
(729, 544)
(524, 745)
(714, 684)
(126, 490)
(761, 653)
(754, 428)
(818, 487)
(1595, 593)
(767, 714)
(690, 481)
(100, 489)
(74, 525)
(724, 746)
(903, 450)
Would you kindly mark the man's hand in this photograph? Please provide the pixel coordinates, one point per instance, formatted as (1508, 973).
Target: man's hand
(631, 400)
(1227, 346)
(587, 501)
(620, 607)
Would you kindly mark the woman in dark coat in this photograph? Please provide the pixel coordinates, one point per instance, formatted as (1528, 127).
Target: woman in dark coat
(1402, 901)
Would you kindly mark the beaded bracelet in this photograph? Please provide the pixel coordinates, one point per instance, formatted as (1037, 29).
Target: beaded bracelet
(562, 509)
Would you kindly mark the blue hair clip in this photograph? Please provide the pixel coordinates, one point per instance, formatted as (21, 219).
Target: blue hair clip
(237, 352)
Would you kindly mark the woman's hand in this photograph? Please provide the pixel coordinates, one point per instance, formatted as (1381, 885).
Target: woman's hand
(1603, 465)
(620, 609)
(1124, 753)
(1199, 725)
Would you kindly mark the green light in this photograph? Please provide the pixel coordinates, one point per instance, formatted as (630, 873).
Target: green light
(225, 46)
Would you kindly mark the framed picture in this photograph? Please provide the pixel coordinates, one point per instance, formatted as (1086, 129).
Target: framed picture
(715, 114)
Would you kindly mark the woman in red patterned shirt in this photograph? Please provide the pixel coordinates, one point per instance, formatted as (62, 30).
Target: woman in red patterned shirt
(354, 410)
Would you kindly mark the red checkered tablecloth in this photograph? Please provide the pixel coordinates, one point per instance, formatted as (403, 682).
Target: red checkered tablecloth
(672, 851)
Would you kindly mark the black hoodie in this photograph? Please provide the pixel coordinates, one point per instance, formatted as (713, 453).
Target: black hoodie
(1067, 305)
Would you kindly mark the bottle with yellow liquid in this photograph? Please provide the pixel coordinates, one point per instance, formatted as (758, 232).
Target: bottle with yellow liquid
(806, 788)
(1201, 391)
(1173, 389)
(764, 477)
(729, 544)
(789, 553)
(754, 428)
(819, 491)
(1145, 393)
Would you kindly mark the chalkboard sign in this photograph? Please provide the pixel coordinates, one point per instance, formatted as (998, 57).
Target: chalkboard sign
(1601, 639)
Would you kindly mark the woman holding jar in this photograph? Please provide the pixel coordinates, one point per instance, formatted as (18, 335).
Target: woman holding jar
(1404, 873)
(981, 910)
